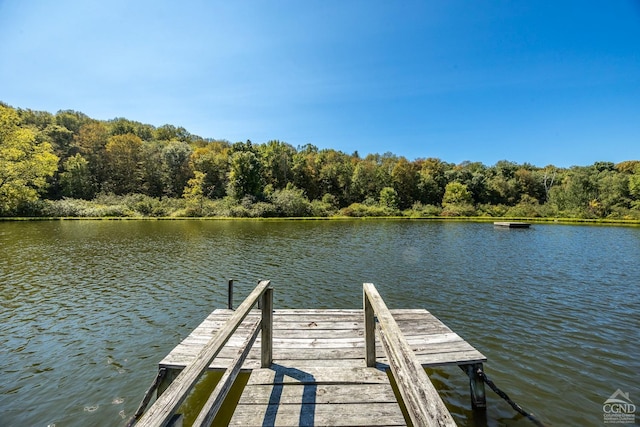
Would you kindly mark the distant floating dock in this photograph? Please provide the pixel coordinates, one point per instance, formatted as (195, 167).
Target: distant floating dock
(507, 224)
(318, 367)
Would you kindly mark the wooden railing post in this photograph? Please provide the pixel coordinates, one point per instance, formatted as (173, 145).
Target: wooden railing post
(230, 295)
(266, 353)
(424, 405)
(369, 332)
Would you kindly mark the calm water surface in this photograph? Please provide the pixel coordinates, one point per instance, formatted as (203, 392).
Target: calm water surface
(88, 308)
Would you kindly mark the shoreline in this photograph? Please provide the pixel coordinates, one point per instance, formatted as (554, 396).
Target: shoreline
(559, 221)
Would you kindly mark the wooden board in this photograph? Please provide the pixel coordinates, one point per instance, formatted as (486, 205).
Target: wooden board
(326, 338)
(284, 396)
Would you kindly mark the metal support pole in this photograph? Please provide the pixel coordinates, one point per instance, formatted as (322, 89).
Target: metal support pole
(476, 386)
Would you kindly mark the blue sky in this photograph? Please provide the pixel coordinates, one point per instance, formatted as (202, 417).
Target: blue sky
(543, 82)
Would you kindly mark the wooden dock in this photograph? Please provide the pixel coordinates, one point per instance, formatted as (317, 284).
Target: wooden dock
(330, 367)
(508, 224)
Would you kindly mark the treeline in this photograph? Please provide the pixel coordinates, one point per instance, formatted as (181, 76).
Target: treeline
(68, 164)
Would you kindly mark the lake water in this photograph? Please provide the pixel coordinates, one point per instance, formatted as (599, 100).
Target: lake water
(88, 308)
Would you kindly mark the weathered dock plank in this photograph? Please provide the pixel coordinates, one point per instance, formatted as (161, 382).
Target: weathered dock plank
(284, 396)
(317, 375)
(317, 337)
(339, 415)
(322, 394)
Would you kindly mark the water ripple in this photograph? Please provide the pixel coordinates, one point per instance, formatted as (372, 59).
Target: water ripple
(92, 306)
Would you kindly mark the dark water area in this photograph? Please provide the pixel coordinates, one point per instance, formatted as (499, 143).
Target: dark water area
(89, 308)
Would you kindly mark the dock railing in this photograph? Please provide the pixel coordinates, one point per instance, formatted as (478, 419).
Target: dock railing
(162, 411)
(424, 405)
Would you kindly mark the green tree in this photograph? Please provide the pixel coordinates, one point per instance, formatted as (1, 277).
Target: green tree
(634, 183)
(457, 200)
(405, 179)
(213, 160)
(61, 133)
(389, 198)
(628, 166)
(578, 192)
(502, 190)
(432, 180)
(177, 170)
(25, 162)
(456, 193)
(61, 140)
(277, 160)
(71, 120)
(613, 193)
(305, 169)
(122, 126)
(76, 180)
(123, 153)
(634, 188)
(194, 195)
(502, 186)
(39, 120)
(530, 182)
(172, 133)
(152, 168)
(91, 141)
(369, 178)
(387, 161)
(474, 175)
(244, 175)
(335, 170)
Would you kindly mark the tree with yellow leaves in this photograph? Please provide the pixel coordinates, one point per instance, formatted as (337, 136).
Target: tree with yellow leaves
(25, 163)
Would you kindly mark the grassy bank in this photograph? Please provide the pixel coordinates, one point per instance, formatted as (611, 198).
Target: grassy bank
(295, 207)
(559, 221)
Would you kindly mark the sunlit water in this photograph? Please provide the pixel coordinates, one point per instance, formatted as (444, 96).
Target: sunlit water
(88, 308)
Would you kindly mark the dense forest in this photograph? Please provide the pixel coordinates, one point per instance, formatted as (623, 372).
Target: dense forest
(68, 164)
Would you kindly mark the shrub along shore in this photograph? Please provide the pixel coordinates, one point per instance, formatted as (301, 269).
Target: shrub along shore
(140, 207)
(554, 221)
